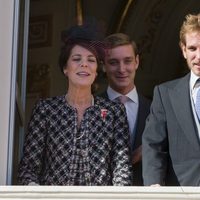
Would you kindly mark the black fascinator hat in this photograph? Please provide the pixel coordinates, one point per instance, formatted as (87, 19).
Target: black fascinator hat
(88, 36)
(87, 32)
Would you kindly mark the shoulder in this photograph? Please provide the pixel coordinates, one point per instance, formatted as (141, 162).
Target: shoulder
(174, 83)
(168, 84)
(51, 102)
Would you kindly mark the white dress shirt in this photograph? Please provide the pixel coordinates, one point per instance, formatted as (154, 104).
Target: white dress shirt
(131, 108)
(194, 87)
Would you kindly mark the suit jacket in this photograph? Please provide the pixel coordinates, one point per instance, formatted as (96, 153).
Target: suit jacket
(56, 153)
(171, 148)
(143, 111)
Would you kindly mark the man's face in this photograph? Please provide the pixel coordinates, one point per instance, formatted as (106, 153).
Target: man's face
(120, 66)
(191, 51)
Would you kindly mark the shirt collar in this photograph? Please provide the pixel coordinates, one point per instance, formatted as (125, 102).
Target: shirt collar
(193, 80)
(112, 94)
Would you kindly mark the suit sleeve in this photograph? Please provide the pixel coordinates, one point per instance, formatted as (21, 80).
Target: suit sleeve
(121, 160)
(155, 143)
(31, 164)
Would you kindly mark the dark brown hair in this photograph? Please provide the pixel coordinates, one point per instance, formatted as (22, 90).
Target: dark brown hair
(118, 39)
(84, 36)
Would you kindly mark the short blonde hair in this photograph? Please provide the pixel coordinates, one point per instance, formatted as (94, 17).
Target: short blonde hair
(191, 24)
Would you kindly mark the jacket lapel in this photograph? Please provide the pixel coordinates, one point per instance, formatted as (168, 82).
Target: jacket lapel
(180, 100)
(143, 111)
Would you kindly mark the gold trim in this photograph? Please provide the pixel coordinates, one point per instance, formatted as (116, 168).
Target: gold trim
(79, 12)
(124, 14)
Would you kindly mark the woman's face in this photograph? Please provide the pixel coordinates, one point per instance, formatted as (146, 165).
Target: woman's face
(81, 67)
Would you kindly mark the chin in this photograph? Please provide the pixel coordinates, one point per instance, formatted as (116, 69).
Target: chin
(197, 72)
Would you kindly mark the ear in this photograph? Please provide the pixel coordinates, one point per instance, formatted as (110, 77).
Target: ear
(137, 61)
(65, 71)
(183, 48)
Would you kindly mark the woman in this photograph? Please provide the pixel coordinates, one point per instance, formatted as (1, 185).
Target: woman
(77, 139)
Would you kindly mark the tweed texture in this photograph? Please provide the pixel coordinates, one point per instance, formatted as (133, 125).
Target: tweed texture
(56, 152)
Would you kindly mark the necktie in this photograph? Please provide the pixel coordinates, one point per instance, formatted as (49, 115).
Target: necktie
(122, 99)
(197, 105)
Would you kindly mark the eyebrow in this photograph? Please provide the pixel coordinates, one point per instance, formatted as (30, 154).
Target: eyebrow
(81, 55)
(128, 57)
(191, 46)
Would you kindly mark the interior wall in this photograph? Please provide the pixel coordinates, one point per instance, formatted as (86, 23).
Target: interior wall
(47, 19)
(155, 26)
(61, 13)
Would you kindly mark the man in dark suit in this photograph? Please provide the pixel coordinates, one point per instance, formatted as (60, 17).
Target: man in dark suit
(121, 63)
(171, 140)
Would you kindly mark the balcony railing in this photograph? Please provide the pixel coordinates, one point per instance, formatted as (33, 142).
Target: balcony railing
(97, 193)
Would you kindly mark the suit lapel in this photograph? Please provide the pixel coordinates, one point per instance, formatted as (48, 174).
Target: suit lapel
(143, 111)
(139, 125)
(180, 100)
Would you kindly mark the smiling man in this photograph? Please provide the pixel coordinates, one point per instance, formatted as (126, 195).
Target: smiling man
(171, 140)
(121, 63)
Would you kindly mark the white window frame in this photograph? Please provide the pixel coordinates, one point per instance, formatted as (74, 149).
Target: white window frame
(9, 28)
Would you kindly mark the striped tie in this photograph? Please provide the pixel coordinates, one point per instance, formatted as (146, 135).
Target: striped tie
(197, 105)
(122, 99)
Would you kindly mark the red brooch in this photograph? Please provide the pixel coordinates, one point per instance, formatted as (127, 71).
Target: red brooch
(104, 113)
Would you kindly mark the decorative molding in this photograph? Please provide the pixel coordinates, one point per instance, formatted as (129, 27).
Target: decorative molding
(40, 31)
(153, 20)
(79, 12)
(124, 14)
(38, 80)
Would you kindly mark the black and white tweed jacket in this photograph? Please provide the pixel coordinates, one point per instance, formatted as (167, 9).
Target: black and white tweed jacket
(55, 153)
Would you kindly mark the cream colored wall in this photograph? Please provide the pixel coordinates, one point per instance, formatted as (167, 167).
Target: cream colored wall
(6, 33)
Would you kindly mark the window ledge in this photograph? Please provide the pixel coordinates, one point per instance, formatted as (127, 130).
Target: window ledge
(108, 192)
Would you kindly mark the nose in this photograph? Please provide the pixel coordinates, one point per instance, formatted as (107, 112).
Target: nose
(122, 67)
(83, 63)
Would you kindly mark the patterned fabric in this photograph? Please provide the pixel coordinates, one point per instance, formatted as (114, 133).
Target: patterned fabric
(57, 153)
